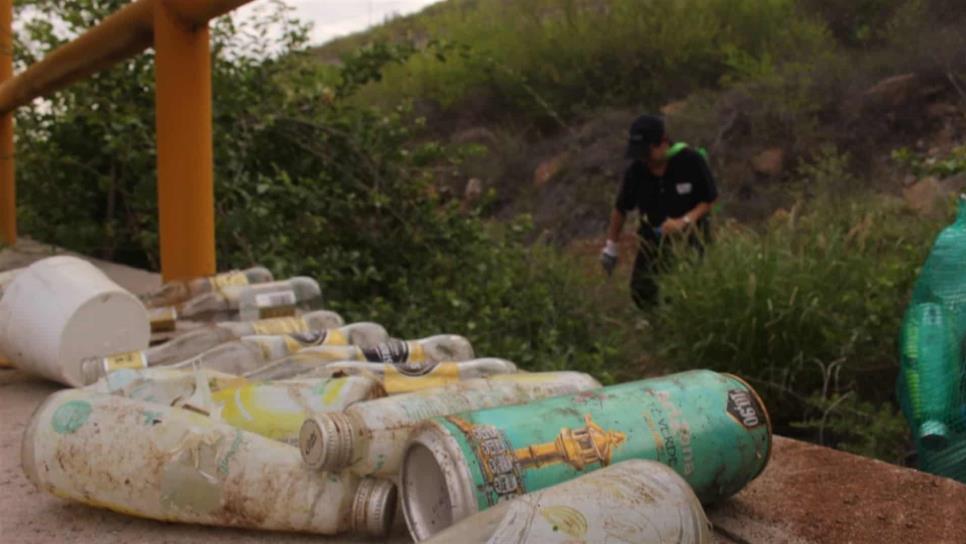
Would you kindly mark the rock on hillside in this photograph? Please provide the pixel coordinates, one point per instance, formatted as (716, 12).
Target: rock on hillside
(567, 180)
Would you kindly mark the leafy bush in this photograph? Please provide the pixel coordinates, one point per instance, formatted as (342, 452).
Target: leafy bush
(807, 307)
(846, 422)
(85, 157)
(950, 165)
(306, 183)
(857, 22)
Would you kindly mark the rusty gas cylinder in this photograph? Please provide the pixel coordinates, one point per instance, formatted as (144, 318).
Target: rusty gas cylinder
(196, 342)
(241, 302)
(278, 409)
(249, 354)
(273, 409)
(442, 347)
(631, 501)
(178, 291)
(171, 464)
(369, 438)
(412, 376)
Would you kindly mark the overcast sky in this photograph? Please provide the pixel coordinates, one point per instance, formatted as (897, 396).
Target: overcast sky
(333, 18)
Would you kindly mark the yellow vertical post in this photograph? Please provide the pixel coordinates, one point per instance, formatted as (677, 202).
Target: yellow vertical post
(8, 189)
(184, 144)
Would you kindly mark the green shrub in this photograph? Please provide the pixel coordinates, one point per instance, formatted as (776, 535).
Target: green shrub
(307, 183)
(535, 57)
(857, 22)
(845, 422)
(954, 163)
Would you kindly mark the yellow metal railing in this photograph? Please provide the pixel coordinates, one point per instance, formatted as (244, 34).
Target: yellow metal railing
(8, 192)
(178, 30)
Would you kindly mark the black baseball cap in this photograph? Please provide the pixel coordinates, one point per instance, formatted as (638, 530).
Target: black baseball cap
(645, 131)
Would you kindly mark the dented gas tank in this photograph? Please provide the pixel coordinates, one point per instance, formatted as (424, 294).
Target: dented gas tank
(412, 376)
(195, 342)
(443, 347)
(171, 464)
(178, 291)
(251, 353)
(369, 438)
(632, 501)
(275, 410)
(240, 302)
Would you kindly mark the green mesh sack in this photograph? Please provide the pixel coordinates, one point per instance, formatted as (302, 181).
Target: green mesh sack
(932, 376)
(943, 276)
(949, 461)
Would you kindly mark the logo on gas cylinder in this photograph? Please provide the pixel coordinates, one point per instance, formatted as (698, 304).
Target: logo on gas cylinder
(415, 369)
(744, 408)
(393, 351)
(309, 338)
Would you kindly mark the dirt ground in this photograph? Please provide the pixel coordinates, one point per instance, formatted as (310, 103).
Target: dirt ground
(806, 495)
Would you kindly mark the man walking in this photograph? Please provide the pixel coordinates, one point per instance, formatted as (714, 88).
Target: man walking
(673, 190)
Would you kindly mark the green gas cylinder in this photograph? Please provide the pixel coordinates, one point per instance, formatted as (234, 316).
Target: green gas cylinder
(711, 428)
(929, 386)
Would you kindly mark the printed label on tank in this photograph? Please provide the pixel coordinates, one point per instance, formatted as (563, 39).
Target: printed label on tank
(502, 473)
(132, 359)
(744, 408)
(279, 304)
(280, 325)
(227, 279)
(415, 368)
(335, 337)
(503, 463)
(162, 319)
(393, 351)
(71, 416)
(309, 338)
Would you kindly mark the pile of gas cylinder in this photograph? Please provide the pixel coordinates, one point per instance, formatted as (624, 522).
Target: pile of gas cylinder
(253, 406)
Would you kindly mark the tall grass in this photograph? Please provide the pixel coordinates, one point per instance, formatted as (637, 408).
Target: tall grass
(579, 54)
(808, 306)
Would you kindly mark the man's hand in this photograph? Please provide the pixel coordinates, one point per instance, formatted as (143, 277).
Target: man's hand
(672, 226)
(608, 257)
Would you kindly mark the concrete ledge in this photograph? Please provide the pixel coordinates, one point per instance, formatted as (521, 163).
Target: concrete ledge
(807, 494)
(813, 494)
(28, 251)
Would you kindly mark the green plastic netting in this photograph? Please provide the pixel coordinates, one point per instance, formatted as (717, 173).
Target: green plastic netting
(931, 379)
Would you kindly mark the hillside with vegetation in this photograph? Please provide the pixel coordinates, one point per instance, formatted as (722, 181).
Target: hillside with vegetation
(453, 171)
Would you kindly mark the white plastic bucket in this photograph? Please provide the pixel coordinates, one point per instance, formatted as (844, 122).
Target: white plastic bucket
(61, 310)
(6, 277)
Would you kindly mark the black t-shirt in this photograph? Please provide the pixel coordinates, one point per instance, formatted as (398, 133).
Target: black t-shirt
(686, 183)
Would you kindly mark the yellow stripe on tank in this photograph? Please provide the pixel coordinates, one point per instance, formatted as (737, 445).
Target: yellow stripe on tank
(246, 409)
(332, 391)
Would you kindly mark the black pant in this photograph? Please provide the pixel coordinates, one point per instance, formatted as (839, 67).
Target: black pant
(655, 255)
